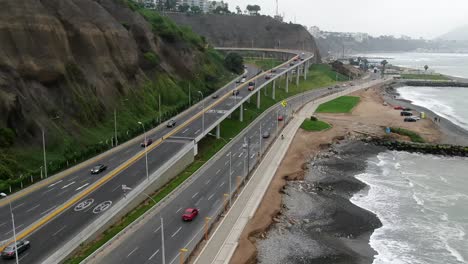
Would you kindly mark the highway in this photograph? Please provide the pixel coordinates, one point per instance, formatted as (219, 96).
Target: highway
(142, 244)
(29, 208)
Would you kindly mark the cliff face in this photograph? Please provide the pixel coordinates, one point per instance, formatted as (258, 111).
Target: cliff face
(248, 31)
(60, 58)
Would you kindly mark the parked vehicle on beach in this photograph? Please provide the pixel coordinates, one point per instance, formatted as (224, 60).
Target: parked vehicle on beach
(406, 113)
(410, 119)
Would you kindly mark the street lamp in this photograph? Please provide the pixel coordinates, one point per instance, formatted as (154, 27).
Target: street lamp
(44, 152)
(203, 111)
(13, 223)
(146, 152)
(230, 174)
(126, 188)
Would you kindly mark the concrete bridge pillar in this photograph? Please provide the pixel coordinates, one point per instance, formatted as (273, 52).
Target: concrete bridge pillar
(259, 94)
(306, 69)
(218, 131)
(241, 114)
(287, 83)
(298, 74)
(273, 91)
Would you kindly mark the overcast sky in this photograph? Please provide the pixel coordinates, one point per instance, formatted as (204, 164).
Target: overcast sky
(415, 18)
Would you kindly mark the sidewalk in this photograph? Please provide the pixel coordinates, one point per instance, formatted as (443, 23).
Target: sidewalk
(223, 242)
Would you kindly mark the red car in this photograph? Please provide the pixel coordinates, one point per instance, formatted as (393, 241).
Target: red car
(190, 214)
(251, 86)
(280, 118)
(146, 143)
(398, 107)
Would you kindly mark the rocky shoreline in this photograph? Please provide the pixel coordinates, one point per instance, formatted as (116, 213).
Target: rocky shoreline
(318, 223)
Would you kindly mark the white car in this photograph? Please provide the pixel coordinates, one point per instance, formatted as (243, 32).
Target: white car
(243, 80)
(415, 117)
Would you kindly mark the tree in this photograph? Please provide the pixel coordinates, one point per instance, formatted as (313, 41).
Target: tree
(234, 62)
(171, 4)
(195, 9)
(253, 9)
(238, 10)
(425, 68)
(184, 8)
(383, 63)
(221, 10)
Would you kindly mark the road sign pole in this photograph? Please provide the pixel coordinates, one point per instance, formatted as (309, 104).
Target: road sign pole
(163, 252)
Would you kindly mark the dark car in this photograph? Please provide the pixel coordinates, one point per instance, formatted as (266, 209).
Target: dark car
(398, 107)
(280, 118)
(9, 252)
(190, 214)
(273, 70)
(98, 169)
(235, 92)
(238, 80)
(410, 119)
(268, 77)
(214, 96)
(146, 143)
(266, 134)
(171, 123)
(406, 113)
(291, 64)
(407, 109)
(251, 86)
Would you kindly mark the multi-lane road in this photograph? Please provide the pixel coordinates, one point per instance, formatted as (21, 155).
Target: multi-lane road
(67, 224)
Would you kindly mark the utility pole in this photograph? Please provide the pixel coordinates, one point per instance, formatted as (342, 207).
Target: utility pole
(44, 152)
(189, 96)
(160, 113)
(163, 251)
(115, 127)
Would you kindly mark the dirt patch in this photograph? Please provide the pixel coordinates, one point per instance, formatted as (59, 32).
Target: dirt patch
(371, 116)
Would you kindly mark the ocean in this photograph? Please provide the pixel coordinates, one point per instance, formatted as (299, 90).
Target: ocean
(421, 201)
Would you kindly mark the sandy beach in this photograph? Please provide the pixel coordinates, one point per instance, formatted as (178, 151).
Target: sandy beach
(332, 239)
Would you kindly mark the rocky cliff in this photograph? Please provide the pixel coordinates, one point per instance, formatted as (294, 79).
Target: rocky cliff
(248, 31)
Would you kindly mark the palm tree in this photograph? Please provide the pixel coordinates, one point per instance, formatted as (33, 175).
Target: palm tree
(383, 63)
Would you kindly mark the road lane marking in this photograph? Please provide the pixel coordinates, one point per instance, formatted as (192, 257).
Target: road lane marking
(19, 260)
(177, 231)
(71, 183)
(55, 183)
(207, 182)
(157, 229)
(19, 205)
(133, 251)
(240, 155)
(178, 210)
(222, 184)
(218, 171)
(198, 131)
(116, 188)
(195, 195)
(46, 211)
(3, 224)
(226, 163)
(198, 202)
(81, 187)
(58, 231)
(72, 179)
(154, 254)
(185, 131)
(11, 231)
(211, 196)
(32, 208)
(63, 192)
(238, 164)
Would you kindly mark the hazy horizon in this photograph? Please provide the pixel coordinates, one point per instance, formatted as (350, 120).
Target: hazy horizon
(415, 18)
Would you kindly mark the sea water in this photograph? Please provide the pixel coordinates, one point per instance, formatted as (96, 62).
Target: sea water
(448, 102)
(422, 201)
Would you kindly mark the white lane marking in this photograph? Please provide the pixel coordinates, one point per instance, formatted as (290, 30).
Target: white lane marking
(238, 164)
(48, 210)
(195, 195)
(19, 205)
(207, 182)
(222, 184)
(11, 231)
(177, 231)
(156, 252)
(57, 182)
(185, 131)
(3, 224)
(241, 147)
(128, 151)
(62, 193)
(81, 187)
(19, 260)
(253, 155)
(226, 163)
(198, 131)
(133, 251)
(116, 188)
(32, 208)
(72, 179)
(157, 229)
(227, 155)
(71, 183)
(199, 200)
(58, 231)
(211, 196)
(240, 155)
(178, 210)
(218, 171)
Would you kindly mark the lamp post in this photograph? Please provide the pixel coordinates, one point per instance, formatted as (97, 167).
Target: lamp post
(230, 174)
(203, 113)
(146, 152)
(44, 152)
(13, 223)
(115, 127)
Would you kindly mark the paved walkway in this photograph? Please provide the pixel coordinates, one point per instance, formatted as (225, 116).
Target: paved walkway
(223, 241)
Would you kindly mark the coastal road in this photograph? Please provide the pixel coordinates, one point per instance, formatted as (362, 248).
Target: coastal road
(44, 200)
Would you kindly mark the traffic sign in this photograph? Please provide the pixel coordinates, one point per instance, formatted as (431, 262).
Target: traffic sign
(284, 103)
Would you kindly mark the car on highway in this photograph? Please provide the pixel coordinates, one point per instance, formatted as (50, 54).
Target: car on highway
(291, 64)
(266, 134)
(215, 96)
(406, 113)
(398, 107)
(411, 119)
(9, 252)
(251, 86)
(235, 92)
(146, 143)
(280, 118)
(190, 214)
(273, 70)
(171, 123)
(243, 80)
(238, 80)
(98, 169)
(268, 77)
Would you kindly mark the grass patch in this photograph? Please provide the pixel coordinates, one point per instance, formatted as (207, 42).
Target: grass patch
(343, 104)
(435, 77)
(415, 137)
(311, 125)
(209, 146)
(264, 64)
